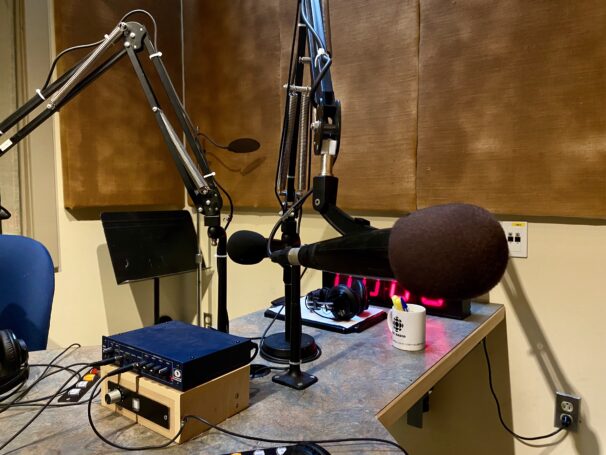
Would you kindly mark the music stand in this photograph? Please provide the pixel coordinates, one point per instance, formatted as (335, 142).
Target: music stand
(146, 245)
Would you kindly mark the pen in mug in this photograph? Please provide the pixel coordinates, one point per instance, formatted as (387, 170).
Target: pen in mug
(399, 303)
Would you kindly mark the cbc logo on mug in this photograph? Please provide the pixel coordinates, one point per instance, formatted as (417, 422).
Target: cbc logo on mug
(398, 327)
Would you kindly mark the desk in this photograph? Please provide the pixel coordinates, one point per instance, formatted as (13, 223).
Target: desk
(363, 385)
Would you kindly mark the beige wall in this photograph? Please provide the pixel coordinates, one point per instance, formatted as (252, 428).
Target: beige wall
(9, 163)
(553, 339)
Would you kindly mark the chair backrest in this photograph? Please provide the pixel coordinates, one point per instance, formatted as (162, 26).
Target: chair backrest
(27, 286)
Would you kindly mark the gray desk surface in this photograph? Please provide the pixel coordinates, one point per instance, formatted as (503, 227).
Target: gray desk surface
(363, 385)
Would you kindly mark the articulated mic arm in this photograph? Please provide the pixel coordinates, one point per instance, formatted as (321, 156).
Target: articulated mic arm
(199, 182)
(313, 35)
(200, 186)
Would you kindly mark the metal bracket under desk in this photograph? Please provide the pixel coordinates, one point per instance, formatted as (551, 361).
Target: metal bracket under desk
(414, 416)
(410, 398)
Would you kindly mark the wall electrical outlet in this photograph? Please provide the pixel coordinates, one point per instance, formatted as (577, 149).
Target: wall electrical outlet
(208, 320)
(516, 233)
(567, 405)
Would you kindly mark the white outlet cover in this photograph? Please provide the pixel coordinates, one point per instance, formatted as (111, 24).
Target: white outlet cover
(516, 233)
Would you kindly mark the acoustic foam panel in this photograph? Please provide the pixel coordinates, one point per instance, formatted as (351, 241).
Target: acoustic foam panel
(113, 154)
(511, 106)
(237, 56)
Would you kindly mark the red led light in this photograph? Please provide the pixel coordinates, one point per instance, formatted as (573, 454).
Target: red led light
(383, 289)
(376, 290)
(436, 303)
(406, 295)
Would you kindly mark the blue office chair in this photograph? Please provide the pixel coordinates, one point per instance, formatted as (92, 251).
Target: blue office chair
(27, 286)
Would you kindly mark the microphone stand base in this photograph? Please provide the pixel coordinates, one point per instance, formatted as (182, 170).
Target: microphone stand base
(295, 378)
(276, 349)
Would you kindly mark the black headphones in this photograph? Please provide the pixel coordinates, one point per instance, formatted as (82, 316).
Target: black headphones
(342, 301)
(14, 369)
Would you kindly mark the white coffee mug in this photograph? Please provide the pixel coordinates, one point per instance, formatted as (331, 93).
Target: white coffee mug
(407, 328)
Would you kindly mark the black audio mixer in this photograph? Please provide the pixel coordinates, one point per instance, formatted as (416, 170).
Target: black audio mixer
(177, 354)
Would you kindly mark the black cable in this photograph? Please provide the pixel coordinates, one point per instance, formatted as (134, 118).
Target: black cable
(223, 430)
(287, 89)
(224, 147)
(46, 405)
(267, 330)
(323, 72)
(96, 43)
(23, 404)
(312, 29)
(323, 316)
(60, 369)
(223, 163)
(14, 391)
(231, 202)
(283, 217)
(40, 378)
(287, 441)
(57, 357)
(303, 273)
(231, 205)
(327, 57)
(61, 54)
(114, 444)
(130, 13)
(256, 351)
(496, 400)
(51, 365)
(262, 337)
(315, 310)
(14, 388)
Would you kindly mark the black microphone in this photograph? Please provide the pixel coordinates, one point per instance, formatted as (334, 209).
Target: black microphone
(240, 145)
(4, 214)
(249, 247)
(452, 251)
(243, 145)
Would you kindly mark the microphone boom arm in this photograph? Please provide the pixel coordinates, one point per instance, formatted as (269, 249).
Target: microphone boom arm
(326, 126)
(199, 183)
(200, 186)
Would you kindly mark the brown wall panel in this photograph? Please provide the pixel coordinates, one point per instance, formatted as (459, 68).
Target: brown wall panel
(511, 106)
(232, 55)
(236, 57)
(375, 47)
(112, 151)
(511, 100)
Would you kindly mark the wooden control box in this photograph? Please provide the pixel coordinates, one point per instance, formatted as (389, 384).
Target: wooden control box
(161, 408)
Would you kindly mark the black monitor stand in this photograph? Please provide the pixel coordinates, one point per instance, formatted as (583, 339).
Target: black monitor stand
(150, 245)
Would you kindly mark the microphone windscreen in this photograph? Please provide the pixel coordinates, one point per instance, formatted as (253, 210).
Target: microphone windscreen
(247, 247)
(447, 251)
(4, 214)
(243, 145)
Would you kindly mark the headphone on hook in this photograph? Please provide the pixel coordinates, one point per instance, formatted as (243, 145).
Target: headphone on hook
(343, 302)
(14, 369)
